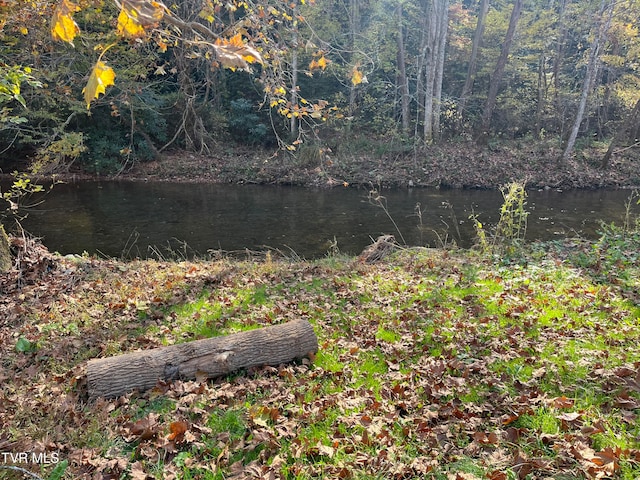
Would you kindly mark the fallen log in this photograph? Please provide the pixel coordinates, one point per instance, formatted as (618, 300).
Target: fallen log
(210, 357)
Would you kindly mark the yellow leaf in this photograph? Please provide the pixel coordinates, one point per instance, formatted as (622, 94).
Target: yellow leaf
(24, 30)
(235, 53)
(356, 76)
(135, 15)
(322, 63)
(63, 26)
(208, 11)
(101, 77)
(128, 26)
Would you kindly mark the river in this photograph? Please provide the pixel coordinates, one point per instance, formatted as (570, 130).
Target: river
(140, 219)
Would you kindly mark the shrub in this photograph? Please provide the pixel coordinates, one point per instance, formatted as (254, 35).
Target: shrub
(244, 123)
(511, 228)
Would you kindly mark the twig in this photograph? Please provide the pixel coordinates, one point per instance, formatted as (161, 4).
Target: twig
(21, 470)
(376, 199)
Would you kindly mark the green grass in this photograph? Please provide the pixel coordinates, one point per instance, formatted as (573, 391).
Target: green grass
(430, 364)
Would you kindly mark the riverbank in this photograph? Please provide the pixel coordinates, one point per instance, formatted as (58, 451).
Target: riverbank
(455, 164)
(432, 364)
(458, 165)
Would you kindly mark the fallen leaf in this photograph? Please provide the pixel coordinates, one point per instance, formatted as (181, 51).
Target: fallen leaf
(137, 471)
(177, 430)
(562, 402)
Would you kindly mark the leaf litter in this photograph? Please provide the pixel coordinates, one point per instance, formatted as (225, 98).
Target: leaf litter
(432, 364)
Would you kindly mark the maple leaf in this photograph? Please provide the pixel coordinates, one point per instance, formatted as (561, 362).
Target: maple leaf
(63, 26)
(128, 25)
(321, 63)
(357, 77)
(136, 15)
(101, 77)
(234, 53)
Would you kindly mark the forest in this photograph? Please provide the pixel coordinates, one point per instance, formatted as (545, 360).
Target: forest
(319, 80)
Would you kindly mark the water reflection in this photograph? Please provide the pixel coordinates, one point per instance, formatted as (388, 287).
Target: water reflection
(113, 218)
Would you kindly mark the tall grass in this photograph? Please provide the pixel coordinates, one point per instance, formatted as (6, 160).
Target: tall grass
(511, 229)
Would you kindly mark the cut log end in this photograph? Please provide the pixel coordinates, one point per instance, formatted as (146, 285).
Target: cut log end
(383, 246)
(211, 357)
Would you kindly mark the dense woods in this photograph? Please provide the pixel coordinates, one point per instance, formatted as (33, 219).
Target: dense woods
(405, 72)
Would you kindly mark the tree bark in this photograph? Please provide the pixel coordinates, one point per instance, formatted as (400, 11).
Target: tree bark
(354, 31)
(442, 43)
(436, 13)
(293, 123)
(496, 78)
(5, 252)
(403, 84)
(542, 95)
(211, 357)
(429, 69)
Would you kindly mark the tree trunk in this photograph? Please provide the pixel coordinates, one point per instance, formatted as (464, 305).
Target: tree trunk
(442, 43)
(211, 357)
(496, 78)
(473, 62)
(5, 252)
(429, 69)
(420, 71)
(293, 124)
(558, 60)
(628, 123)
(354, 31)
(590, 76)
(436, 13)
(542, 95)
(403, 84)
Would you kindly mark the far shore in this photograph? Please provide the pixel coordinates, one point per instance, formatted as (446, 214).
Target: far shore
(451, 165)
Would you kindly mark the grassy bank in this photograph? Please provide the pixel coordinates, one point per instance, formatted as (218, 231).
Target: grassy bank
(432, 364)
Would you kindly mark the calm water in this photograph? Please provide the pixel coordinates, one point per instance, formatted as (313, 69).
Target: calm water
(134, 219)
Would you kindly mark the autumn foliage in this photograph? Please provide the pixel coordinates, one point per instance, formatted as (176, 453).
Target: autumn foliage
(135, 21)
